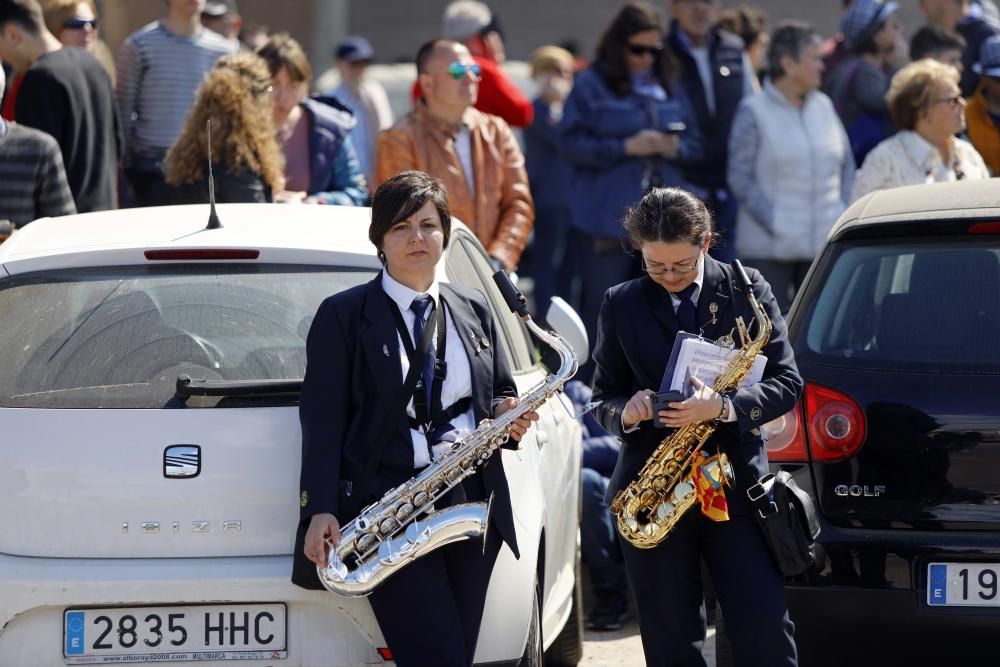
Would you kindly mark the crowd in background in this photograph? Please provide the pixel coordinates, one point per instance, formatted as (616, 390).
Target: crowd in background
(777, 129)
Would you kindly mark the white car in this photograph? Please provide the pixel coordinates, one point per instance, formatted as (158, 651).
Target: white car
(139, 525)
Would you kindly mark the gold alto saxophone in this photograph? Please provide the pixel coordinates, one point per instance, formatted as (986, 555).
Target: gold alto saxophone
(403, 525)
(650, 506)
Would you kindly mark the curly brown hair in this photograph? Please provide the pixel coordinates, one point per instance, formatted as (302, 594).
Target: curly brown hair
(235, 96)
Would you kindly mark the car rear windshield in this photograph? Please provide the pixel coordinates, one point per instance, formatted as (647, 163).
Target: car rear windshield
(931, 305)
(119, 338)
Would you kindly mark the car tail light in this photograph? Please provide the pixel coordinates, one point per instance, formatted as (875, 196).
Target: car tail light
(835, 423)
(985, 228)
(784, 438)
(202, 254)
(385, 653)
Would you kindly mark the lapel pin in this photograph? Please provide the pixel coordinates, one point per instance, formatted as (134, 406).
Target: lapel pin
(385, 350)
(485, 342)
(713, 308)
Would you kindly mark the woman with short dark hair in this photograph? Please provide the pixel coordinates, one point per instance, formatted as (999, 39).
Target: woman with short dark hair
(686, 290)
(360, 348)
(627, 128)
(927, 104)
(321, 165)
(790, 164)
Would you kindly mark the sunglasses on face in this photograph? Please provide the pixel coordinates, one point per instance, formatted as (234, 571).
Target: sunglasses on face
(458, 70)
(80, 24)
(640, 50)
(954, 100)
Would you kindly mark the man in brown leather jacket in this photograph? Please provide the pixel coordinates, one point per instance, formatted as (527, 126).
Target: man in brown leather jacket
(474, 154)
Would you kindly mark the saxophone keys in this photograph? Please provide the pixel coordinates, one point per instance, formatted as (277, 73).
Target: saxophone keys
(683, 491)
(660, 483)
(665, 510)
(632, 524)
(648, 497)
(404, 511)
(421, 498)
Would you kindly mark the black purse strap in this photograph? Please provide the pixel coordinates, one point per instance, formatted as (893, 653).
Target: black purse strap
(359, 490)
(757, 493)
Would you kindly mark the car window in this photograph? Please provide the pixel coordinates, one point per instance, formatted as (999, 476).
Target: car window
(120, 337)
(471, 267)
(928, 305)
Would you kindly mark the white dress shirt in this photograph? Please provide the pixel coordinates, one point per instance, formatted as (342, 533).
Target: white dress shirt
(458, 381)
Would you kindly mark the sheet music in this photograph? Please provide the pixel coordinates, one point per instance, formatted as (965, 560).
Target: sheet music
(705, 360)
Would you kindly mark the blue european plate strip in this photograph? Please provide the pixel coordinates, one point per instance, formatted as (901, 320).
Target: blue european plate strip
(937, 584)
(74, 633)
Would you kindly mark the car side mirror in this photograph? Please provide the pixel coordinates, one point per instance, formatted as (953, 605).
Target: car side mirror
(565, 322)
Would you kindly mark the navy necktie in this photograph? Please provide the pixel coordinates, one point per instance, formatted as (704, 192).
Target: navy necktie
(686, 310)
(420, 306)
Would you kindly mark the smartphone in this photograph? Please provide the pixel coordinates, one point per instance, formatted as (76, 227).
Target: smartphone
(675, 128)
(659, 402)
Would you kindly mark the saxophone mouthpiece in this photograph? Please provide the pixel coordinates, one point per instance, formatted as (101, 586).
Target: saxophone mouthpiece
(515, 300)
(741, 276)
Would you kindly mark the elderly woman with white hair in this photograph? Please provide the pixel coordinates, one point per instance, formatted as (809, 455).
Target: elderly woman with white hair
(926, 104)
(790, 165)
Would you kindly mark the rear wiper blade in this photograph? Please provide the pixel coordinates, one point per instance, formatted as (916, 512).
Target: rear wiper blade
(186, 386)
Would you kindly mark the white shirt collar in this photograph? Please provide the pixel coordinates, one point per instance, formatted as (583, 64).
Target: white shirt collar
(698, 281)
(921, 151)
(403, 296)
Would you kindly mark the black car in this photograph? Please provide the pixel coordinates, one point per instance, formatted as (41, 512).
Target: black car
(896, 332)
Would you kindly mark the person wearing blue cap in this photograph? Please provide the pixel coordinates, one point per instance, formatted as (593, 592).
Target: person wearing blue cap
(364, 96)
(859, 84)
(983, 111)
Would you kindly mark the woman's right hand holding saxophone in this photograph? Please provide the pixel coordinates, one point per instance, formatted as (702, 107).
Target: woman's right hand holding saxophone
(638, 409)
(323, 527)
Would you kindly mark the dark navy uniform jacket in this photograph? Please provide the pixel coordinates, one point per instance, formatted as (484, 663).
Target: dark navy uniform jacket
(353, 374)
(636, 333)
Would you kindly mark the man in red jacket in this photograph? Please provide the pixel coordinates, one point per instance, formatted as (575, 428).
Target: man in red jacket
(471, 23)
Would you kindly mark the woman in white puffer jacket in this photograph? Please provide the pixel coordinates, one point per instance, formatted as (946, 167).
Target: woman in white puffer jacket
(790, 164)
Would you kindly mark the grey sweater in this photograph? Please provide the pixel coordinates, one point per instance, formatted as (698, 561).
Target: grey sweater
(32, 177)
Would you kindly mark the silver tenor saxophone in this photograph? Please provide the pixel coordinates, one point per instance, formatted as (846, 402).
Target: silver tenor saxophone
(647, 510)
(403, 525)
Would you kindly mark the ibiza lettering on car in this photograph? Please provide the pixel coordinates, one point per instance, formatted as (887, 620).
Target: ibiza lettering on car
(148, 527)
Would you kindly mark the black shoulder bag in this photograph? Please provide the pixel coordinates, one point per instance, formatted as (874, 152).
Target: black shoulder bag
(787, 519)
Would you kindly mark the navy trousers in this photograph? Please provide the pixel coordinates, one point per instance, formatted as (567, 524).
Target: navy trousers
(666, 583)
(431, 610)
(599, 538)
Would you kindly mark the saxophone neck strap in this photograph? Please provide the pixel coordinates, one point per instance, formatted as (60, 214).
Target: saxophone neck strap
(425, 414)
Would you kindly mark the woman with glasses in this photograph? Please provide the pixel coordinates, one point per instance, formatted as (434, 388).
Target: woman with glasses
(321, 165)
(246, 161)
(927, 106)
(687, 290)
(627, 127)
(74, 23)
(790, 164)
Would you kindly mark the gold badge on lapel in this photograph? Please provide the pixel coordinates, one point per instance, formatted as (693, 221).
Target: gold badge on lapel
(304, 499)
(713, 308)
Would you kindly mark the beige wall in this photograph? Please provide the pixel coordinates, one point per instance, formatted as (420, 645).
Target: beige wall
(397, 27)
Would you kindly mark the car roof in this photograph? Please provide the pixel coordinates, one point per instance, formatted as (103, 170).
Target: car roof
(957, 200)
(282, 232)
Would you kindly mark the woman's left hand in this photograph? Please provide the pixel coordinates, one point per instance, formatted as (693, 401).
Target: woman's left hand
(703, 405)
(520, 425)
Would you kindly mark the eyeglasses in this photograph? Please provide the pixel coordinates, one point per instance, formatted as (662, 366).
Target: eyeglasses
(954, 101)
(680, 269)
(80, 24)
(641, 49)
(458, 70)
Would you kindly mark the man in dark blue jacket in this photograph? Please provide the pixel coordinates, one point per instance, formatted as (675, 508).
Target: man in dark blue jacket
(716, 74)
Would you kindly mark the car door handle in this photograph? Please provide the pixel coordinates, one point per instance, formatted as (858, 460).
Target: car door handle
(541, 437)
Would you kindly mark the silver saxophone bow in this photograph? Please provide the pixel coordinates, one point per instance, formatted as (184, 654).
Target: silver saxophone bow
(403, 525)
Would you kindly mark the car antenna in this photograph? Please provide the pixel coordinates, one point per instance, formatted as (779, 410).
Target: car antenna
(213, 217)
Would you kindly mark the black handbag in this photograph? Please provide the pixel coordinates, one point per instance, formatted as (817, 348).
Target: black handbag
(787, 518)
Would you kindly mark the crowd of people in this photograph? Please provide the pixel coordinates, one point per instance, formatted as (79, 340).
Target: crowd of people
(774, 132)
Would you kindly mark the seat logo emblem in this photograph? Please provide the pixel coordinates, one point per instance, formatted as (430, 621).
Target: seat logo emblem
(181, 461)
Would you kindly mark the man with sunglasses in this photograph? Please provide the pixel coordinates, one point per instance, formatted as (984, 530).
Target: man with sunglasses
(472, 24)
(473, 153)
(716, 74)
(66, 93)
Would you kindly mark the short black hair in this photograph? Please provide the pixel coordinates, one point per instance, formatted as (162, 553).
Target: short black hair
(426, 50)
(931, 40)
(670, 215)
(401, 196)
(27, 14)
